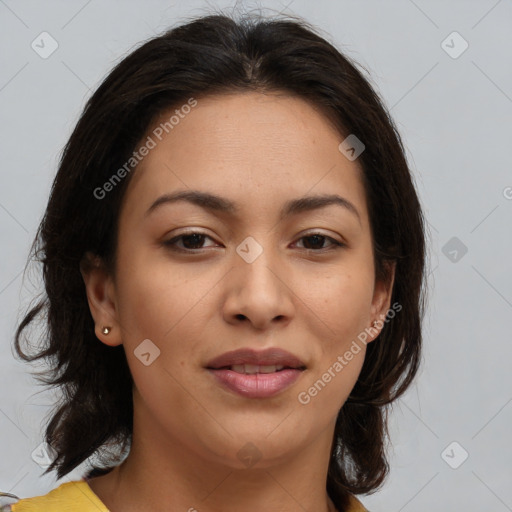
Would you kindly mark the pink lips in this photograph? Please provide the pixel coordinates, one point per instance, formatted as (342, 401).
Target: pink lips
(262, 379)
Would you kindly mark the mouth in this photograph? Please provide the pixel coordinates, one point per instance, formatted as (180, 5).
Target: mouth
(256, 374)
(250, 361)
(251, 369)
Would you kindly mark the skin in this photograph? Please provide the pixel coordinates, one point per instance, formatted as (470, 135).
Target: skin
(259, 151)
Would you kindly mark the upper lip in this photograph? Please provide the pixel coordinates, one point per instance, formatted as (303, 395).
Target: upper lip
(267, 357)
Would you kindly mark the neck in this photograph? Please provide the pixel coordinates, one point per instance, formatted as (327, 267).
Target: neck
(160, 474)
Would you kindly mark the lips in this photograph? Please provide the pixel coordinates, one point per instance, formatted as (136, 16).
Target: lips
(256, 374)
(253, 361)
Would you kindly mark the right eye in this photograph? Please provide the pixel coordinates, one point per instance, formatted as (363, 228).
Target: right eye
(191, 241)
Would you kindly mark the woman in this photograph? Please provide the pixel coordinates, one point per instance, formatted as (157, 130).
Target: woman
(233, 256)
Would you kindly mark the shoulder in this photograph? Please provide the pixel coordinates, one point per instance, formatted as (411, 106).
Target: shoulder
(355, 505)
(75, 495)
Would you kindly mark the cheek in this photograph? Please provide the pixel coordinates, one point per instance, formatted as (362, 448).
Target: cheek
(161, 307)
(343, 303)
(173, 310)
(155, 297)
(325, 393)
(342, 299)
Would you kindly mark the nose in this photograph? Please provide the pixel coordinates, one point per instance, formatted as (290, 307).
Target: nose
(259, 293)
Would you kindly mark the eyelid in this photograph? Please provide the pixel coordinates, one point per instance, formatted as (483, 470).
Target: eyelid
(171, 243)
(318, 231)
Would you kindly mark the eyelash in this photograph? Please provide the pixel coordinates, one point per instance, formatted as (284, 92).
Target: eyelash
(171, 244)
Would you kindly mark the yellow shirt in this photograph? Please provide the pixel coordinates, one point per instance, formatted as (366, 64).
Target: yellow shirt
(74, 496)
(77, 496)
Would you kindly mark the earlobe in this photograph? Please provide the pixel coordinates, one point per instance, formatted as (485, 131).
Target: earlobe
(100, 292)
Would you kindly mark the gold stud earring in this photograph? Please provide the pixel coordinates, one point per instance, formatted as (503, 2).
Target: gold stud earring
(106, 330)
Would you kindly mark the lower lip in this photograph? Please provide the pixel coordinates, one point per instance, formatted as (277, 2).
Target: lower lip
(257, 385)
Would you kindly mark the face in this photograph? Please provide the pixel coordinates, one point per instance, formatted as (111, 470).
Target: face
(250, 269)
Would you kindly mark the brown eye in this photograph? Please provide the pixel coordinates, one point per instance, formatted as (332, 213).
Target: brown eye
(193, 241)
(315, 242)
(190, 242)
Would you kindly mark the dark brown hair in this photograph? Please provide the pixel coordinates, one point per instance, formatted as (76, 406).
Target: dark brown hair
(208, 55)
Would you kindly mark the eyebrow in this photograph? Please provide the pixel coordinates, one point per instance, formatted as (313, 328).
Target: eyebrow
(215, 203)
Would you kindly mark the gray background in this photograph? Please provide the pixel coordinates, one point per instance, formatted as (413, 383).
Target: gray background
(454, 115)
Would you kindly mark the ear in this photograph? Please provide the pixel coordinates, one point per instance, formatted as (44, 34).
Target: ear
(100, 291)
(381, 301)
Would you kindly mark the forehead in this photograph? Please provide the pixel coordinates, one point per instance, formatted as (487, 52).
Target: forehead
(258, 149)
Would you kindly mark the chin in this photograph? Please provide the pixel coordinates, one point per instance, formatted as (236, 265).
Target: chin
(258, 448)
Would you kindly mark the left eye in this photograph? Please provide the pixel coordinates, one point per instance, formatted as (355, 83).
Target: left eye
(194, 240)
(316, 239)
